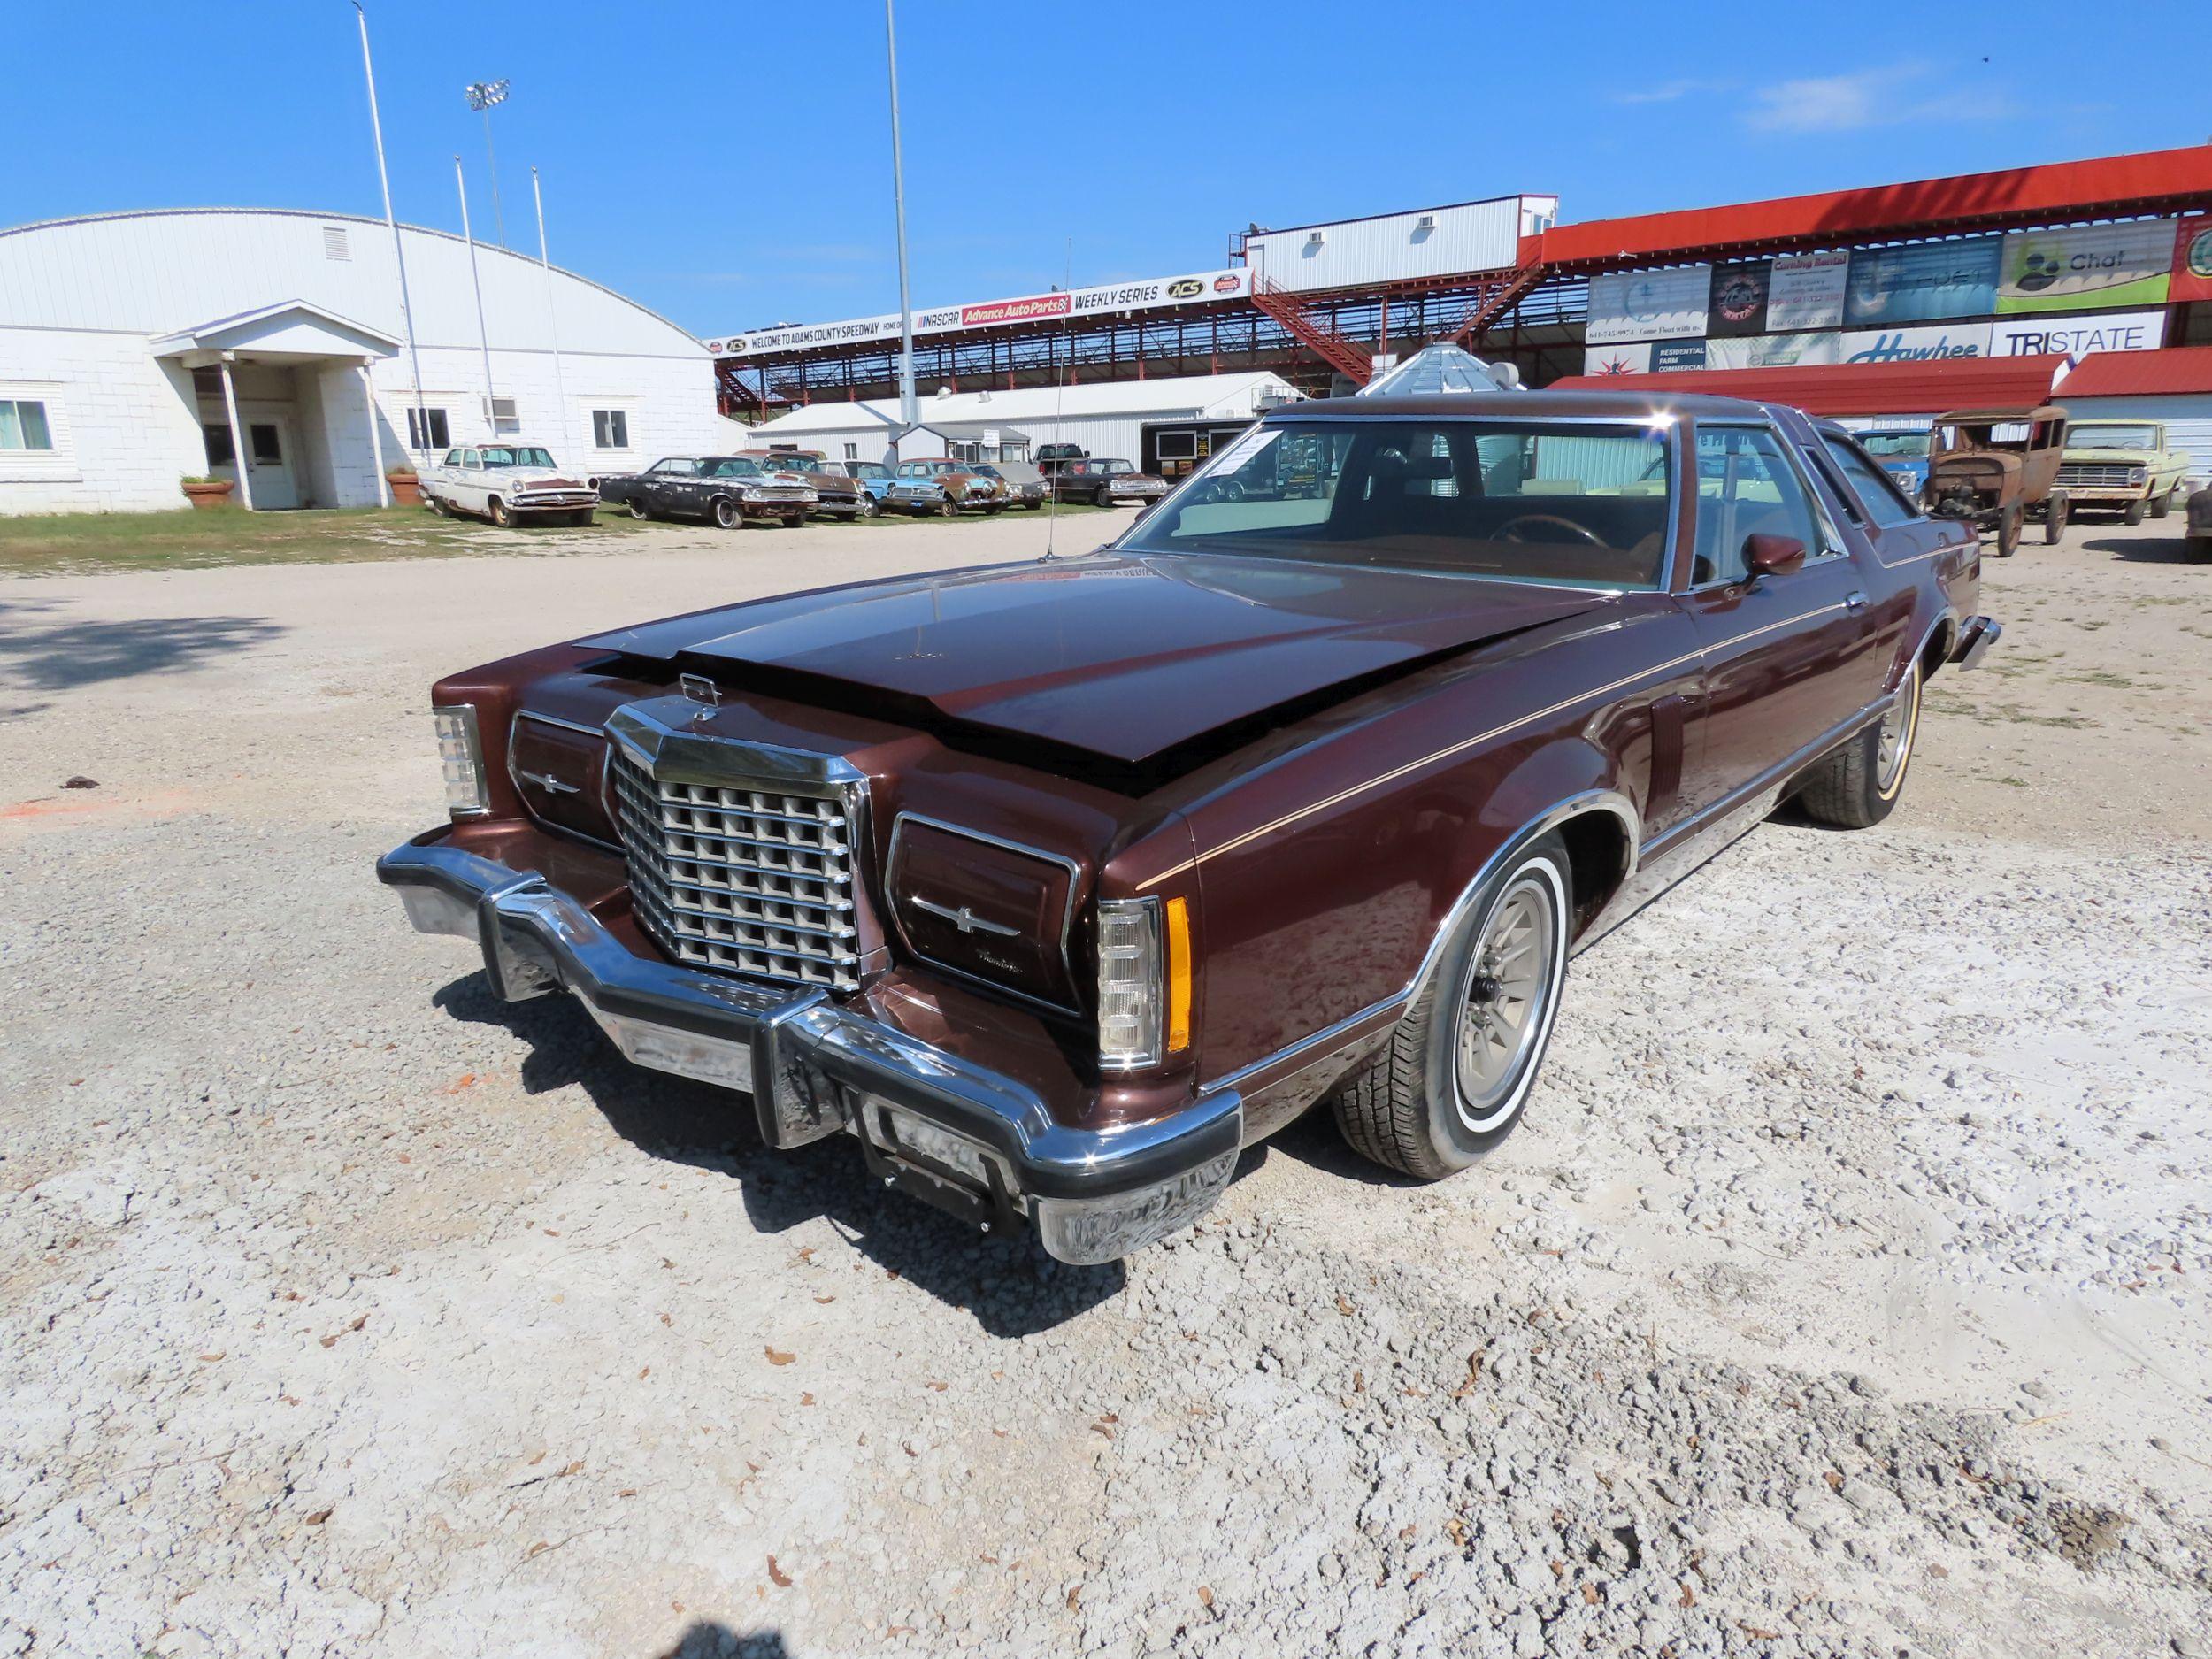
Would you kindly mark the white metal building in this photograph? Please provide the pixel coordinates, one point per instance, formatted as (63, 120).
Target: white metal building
(1107, 418)
(138, 348)
(1432, 242)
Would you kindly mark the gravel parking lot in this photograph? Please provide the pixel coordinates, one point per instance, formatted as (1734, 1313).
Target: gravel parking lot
(1845, 1291)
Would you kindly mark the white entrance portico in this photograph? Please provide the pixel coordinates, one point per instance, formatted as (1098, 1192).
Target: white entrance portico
(286, 404)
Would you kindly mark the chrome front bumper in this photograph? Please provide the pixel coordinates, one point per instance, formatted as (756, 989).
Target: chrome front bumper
(950, 1131)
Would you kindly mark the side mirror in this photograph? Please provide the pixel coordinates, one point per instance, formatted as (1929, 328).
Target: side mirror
(1772, 555)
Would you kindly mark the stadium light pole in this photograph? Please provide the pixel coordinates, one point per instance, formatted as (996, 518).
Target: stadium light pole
(909, 417)
(483, 339)
(421, 422)
(482, 97)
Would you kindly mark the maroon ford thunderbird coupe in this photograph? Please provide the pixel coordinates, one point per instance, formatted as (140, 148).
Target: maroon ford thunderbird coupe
(1054, 885)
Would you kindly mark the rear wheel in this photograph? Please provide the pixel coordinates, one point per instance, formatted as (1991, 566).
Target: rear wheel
(1860, 783)
(2054, 515)
(2164, 505)
(2132, 513)
(1458, 1069)
(727, 515)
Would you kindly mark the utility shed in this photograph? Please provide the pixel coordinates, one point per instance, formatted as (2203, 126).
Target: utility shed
(1110, 419)
(2174, 386)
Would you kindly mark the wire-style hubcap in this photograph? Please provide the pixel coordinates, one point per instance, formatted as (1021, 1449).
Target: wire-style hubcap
(1509, 988)
(1894, 743)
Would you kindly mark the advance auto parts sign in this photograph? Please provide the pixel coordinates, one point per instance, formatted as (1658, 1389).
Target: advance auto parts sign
(1148, 294)
(2089, 268)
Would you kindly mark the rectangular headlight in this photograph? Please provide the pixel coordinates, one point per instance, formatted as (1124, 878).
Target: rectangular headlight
(461, 759)
(1129, 988)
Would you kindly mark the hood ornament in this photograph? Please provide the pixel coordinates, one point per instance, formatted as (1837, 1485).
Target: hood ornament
(965, 919)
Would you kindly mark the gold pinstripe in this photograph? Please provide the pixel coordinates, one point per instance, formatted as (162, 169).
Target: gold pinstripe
(1467, 743)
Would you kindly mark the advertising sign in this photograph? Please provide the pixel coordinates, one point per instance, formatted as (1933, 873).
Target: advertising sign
(1806, 291)
(2088, 268)
(1917, 345)
(2192, 259)
(1738, 303)
(2077, 336)
(1924, 282)
(1615, 360)
(1773, 351)
(1648, 304)
(1150, 294)
(1677, 354)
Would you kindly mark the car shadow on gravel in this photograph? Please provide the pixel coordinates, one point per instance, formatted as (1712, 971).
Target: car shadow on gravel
(710, 1638)
(1314, 1140)
(61, 656)
(2144, 549)
(1009, 1285)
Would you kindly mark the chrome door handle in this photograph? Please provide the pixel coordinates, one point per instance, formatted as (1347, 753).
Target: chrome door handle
(1854, 601)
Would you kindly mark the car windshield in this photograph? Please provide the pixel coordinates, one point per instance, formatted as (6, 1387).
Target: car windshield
(867, 469)
(2093, 436)
(734, 466)
(983, 469)
(1885, 446)
(516, 458)
(1579, 504)
(794, 463)
(1112, 466)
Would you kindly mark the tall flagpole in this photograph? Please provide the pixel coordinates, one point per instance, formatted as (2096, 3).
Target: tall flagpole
(552, 315)
(483, 339)
(399, 256)
(909, 417)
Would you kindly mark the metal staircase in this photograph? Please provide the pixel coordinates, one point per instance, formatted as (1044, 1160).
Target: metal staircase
(1495, 303)
(1348, 357)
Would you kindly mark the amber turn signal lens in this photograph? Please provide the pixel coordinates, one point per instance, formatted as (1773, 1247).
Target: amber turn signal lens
(1178, 975)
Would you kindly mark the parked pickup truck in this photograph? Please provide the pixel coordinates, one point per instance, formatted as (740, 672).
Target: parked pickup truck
(508, 483)
(723, 489)
(2122, 464)
(1048, 887)
(1104, 482)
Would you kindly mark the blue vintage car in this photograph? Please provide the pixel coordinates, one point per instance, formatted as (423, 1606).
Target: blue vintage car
(873, 476)
(1903, 455)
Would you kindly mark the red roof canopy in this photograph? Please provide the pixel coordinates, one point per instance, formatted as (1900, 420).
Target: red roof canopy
(2134, 373)
(2154, 182)
(1919, 388)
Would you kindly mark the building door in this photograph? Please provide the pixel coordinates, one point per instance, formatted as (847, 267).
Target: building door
(269, 455)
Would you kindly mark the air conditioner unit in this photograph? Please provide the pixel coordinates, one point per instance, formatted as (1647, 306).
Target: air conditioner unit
(1317, 238)
(1427, 221)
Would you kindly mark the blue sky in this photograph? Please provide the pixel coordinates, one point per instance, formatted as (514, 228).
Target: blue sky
(731, 173)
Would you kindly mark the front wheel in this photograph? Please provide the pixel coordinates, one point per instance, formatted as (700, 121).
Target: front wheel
(1457, 1071)
(2009, 530)
(866, 508)
(1859, 784)
(637, 509)
(728, 514)
(1104, 498)
(2132, 513)
(947, 507)
(500, 516)
(2164, 505)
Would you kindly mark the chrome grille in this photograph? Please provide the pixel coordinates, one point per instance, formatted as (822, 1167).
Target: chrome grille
(754, 882)
(2093, 475)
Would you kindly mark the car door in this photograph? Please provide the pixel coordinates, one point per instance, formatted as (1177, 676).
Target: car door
(469, 493)
(1790, 660)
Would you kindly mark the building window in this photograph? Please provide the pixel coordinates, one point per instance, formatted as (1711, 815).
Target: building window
(436, 436)
(852, 452)
(23, 425)
(503, 419)
(610, 428)
(219, 452)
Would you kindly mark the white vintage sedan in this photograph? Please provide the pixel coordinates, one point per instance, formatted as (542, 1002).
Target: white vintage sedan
(508, 483)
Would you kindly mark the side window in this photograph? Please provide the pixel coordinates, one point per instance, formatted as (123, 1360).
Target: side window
(452, 457)
(1748, 487)
(1884, 502)
(470, 458)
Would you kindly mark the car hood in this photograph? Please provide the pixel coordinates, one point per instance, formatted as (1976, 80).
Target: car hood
(1120, 656)
(2122, 457)
(530, 477)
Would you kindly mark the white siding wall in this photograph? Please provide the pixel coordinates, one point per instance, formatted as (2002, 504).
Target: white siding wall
(80, 301)
(1478, 237)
